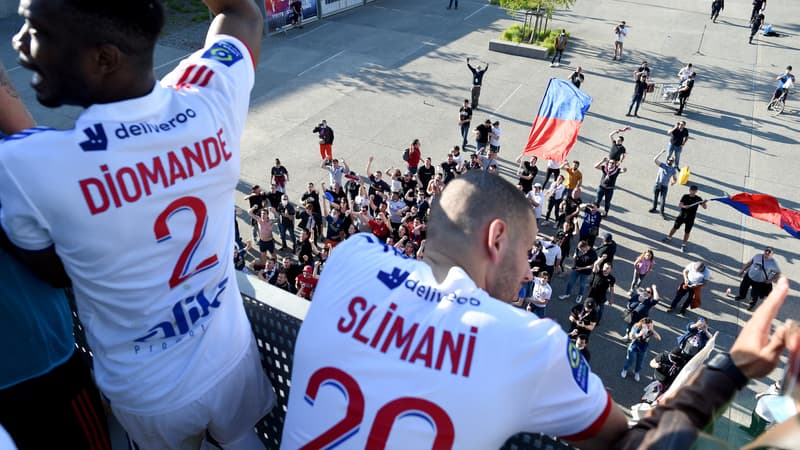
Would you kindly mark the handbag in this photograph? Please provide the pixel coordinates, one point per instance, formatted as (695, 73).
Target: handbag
(696, 301)
(683, 176)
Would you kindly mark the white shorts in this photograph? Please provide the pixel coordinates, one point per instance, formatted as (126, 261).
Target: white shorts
(229, 411)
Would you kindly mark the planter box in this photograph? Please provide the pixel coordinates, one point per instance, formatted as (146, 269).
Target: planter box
(512, 48)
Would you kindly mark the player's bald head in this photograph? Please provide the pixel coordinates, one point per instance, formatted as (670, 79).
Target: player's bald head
(471, 201)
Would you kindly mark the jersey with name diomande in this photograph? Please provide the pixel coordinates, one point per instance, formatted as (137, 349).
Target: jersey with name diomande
(138, 201)
(387, 357)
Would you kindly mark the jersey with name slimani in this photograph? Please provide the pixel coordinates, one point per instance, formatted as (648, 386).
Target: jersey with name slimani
(137, 200)
(387, 357)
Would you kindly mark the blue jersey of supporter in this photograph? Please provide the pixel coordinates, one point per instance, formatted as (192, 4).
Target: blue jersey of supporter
(35, 324)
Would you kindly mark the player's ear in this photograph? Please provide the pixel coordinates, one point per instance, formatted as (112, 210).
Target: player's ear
(497, 240)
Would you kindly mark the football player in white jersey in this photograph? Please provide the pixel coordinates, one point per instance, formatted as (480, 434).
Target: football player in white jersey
(135, 201)
(398, 353)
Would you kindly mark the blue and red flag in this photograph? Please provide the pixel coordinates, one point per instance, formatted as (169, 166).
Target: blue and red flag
(767, 208)
(555, 128)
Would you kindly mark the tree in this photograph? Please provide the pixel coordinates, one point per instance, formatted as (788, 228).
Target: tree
(534, 11)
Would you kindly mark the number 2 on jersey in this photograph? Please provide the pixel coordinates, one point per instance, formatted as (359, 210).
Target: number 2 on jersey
(400, 408)
(161, 228)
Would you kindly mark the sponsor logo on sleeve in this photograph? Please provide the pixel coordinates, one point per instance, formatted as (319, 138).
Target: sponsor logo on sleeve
(578, 366)
(224, 52)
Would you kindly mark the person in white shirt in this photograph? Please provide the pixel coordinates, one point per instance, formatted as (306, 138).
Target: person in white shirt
(540, 295)
(552, 255)
(554, 195)
(685, 72)
(536, 200)
(695, 276)
(152, 167)
(620, 32)
(554, 169)
(494, 137)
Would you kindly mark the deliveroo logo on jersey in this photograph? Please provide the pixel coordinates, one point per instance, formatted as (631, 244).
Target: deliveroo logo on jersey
(578, 365)
(224, 52)
(394, 279)
(96, 138)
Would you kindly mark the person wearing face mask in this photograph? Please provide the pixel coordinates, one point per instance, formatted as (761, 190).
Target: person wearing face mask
(667, 175)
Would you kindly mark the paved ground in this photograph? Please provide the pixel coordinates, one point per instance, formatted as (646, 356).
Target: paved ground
(394, 70)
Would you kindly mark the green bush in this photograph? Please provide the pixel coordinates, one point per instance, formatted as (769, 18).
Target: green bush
(546, 38)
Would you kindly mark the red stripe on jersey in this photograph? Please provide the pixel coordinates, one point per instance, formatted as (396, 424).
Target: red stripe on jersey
(186, 74)
(205, 81)
(595, 427)
(198, 74)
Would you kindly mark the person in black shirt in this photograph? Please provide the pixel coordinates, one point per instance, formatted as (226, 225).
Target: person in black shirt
(311, 197)
(296, 13)
(678, 135)
(583, 319)
(425, 174)
(583, 262)
(257, 199)
(464, 118)
(527, 172)
(477, 81)
(639, 88)
(688, 206)
(286, 212)
(325, 134)
(482, 135)
(577, 77)
(617, 151)
(449, 169)
(582, 346)
(684, 92)
(607, 248)
(608, 181)
(600, 284)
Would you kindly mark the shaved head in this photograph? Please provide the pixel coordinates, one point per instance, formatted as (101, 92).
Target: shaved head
(472, 200)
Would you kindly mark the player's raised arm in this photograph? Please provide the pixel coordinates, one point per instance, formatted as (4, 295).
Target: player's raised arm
(238, 18)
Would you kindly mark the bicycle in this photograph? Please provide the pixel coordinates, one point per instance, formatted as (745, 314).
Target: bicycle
(776, 106)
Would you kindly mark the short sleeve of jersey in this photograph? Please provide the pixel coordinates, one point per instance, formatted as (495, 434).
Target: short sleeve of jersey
(25, 226)
(223, 67)
(574, 398)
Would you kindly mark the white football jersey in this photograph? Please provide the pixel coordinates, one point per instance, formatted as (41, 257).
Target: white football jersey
(137, 200)
(389, 358)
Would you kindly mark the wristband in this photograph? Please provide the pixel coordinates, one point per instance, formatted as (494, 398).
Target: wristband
(722, 362)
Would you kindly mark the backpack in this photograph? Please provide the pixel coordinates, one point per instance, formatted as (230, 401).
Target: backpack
(406, 154)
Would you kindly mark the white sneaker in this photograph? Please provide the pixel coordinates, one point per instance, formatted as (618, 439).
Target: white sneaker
(563, 297)
(624, 373)
(558, 64)
(552, 65)
(636, 376)
(579, 299)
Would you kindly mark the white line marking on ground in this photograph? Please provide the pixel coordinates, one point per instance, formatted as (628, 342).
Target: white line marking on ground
(507, 99)
(309, 32)
(319, 64)
(476, 12)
